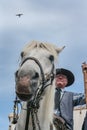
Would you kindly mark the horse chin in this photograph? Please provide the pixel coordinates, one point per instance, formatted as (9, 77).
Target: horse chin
(24, 93)
(24, 97)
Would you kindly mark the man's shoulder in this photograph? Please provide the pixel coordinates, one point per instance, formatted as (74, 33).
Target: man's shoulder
(68, 92)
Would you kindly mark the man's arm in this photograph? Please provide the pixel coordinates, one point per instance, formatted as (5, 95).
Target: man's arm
(78, 99)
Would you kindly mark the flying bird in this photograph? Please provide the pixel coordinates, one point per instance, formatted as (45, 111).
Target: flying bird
(19, 15)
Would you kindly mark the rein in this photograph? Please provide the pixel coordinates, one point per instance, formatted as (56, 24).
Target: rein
(33, 113)
(33, 106)
(16, 110)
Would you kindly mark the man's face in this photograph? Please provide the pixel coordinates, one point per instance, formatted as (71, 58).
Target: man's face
(61, 81)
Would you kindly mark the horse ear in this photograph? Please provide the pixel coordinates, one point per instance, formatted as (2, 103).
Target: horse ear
(60, 49)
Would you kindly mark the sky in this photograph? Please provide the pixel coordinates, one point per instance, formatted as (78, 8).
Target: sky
(61, 22)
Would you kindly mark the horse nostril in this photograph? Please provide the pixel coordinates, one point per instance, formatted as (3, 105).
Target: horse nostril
(35, 76)
(16, 73)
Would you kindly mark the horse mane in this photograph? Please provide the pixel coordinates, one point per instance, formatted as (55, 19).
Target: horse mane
(44, 45)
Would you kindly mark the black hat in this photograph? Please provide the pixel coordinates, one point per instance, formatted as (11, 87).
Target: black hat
(68, 74)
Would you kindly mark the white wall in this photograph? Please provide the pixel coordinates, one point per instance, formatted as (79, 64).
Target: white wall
(79, 114)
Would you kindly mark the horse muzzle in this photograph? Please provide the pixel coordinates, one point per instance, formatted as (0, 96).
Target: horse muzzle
(23, 90)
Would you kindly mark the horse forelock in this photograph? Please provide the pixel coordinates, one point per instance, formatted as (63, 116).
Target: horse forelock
(44, 45)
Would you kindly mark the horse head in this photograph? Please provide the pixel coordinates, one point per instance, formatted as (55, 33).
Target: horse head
(36, 68)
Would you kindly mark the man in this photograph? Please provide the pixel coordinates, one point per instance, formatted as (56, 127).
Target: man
(64, 102)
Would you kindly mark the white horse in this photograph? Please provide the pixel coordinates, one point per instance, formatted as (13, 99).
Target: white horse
(35, 85)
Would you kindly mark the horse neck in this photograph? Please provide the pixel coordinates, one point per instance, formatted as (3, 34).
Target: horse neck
(46, 109)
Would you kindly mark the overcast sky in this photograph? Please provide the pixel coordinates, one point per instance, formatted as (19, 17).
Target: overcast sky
(61, 22)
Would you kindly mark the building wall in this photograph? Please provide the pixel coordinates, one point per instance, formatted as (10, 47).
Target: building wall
(79, 114)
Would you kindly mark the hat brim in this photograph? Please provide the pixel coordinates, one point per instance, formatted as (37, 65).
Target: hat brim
(68, 74)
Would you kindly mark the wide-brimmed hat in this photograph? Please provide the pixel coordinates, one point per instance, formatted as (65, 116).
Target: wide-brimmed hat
(68, 74)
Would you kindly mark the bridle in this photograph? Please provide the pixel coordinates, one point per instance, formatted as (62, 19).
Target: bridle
(33, 106)
(51, 75)
(38, 63)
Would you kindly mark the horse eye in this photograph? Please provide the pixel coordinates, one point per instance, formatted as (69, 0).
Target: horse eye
(22, 54)
(51, 58)
(16, 73)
